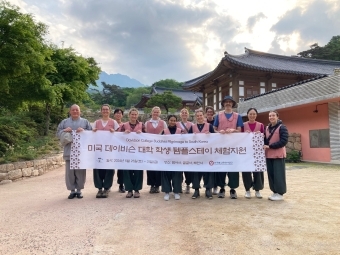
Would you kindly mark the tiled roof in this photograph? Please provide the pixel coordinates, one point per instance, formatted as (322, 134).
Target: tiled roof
(283, 64)
(184, 94)
(268, 62)
(308, 91)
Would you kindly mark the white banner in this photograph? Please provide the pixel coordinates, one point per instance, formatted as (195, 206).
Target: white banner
(237, 152)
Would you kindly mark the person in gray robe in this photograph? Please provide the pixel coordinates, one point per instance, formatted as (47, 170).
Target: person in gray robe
(74, 178)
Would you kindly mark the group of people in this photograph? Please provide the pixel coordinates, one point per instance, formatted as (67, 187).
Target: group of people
(225, 122)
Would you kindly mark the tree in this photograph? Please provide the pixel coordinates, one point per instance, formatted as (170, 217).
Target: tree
(166, 100)
(168, 83)
(331, 51)
(74, 73)
(114, 95)
(24, 58)
(135, 96)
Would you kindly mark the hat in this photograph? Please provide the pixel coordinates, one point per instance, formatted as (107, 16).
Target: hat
(228, 98)
(65, 138)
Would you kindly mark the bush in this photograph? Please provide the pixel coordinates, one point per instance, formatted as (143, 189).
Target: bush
(293, 156)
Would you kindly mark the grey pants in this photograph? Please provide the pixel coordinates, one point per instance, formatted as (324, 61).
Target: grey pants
(75, 179)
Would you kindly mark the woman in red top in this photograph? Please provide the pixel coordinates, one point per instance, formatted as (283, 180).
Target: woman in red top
(255, 181)
(154, 126)
(133, 179)
(103, 178)
(185, 125)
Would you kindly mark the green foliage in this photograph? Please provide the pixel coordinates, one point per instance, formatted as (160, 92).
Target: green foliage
(331, 51)
(168, 83)
(172, 110)
(166, 100)
(135, 95)
(24, 58)
(293, 156)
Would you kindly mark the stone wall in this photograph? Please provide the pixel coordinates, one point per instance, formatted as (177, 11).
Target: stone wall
(27, 169)
(294, 142)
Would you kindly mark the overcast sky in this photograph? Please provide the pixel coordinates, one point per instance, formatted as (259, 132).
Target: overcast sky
(150, 40)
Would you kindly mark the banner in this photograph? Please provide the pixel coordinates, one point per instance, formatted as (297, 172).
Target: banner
(236, 152)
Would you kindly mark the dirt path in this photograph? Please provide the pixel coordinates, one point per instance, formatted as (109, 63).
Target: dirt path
(37, 218)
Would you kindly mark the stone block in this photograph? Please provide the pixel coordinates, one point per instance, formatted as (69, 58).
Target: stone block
(5, 182)
(41, 171)
(35, 173)
(3, 176)
(20, 165)
(39, 162)
(290, 145)
(288, 150)
(29, 163)
(9, 167)
(15, 174)
(27, 171)
(291, 139)
(297, 139)
(3, 168)
(297, 146)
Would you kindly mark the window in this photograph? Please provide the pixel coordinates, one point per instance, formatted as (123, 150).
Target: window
(241, 83)
(319, 138)
(262, 84)
(231, 92)
(230, 84)
(262, 90)
(241, 91)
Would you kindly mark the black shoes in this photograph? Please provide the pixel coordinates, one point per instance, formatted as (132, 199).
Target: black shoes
(196, 194)
(72, 195)
(121, 189)
(79, 195)
(208, 193)
(156, 189)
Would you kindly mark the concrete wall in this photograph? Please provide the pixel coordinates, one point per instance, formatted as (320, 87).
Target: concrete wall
(27, 169)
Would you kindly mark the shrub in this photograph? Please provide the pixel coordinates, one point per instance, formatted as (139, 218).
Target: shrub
(293, 156)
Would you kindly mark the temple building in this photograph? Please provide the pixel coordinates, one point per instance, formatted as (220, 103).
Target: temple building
(305, 92)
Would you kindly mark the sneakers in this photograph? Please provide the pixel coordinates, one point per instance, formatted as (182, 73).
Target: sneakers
(276, 197)
(187, 189)
(121, 189)
(208, 193)
(129, 194)
(233, 194)
(214, 191)
(221, 194)
(196, 194)
(166, 196)
(247, 194)
(177, 196)
(258, 194)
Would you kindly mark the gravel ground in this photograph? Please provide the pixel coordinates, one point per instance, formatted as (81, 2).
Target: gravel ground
(37, 218)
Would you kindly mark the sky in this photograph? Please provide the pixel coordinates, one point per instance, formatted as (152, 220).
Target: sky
(151, 40)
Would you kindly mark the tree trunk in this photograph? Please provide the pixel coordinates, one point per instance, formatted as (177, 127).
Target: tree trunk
(48, 117)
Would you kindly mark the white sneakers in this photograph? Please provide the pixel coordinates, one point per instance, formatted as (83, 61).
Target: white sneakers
(215, 191)
(275, 197)
(167, 196)
(258, 194)
(247, 194)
